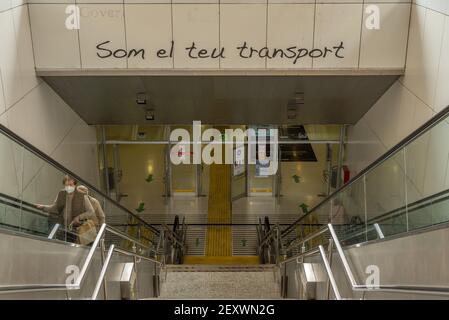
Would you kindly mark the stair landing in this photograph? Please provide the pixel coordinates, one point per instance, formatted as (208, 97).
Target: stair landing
(220, 282)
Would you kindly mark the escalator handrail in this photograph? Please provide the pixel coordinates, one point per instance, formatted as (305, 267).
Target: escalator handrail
(404, 142)
(127, 237)
(17, 203)
(271, 234)
(411, 207)
(11, 135)
(84, 268)
(395, 212)
(173, 236)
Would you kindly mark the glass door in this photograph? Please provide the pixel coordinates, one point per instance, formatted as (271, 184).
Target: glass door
(239, 173)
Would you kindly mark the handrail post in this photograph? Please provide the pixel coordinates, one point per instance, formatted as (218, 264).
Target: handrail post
(163, 247)
(53, 231)
(103, 261)
(278, 246)
(379, 231)
(329, 249)
(136, 270)
(90, 255)
(156, 283)
(329, 273)
(139, 231)
(101, 278)
(346, 266)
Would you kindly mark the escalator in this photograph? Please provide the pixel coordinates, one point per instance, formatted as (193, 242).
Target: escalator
(383, 235)
(172, 245)
(42, 257)
(267, 243)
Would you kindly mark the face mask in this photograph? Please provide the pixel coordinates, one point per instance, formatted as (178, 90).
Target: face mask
(69, 189)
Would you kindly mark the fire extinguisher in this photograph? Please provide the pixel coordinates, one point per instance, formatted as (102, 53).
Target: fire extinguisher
(345, 174)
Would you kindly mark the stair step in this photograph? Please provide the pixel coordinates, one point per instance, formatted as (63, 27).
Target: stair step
(220, 268)
(244, 240)
(220, 282)
(222, 260)
(195, 240)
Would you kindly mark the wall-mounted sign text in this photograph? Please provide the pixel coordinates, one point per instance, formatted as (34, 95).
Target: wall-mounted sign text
(244, 51)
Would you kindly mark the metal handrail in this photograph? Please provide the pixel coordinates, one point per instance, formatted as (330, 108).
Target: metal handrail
(169, 231)
(410, 289)
(307, 238)
(106, 264)
(276, 232)
(273, 235)
(133, 254)
(300, 255)
(173, 236)
(125, 236)
(268, 236)
(388, 215)
(90, 256)
(361, 230)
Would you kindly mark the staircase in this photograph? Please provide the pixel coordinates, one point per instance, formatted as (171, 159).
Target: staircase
(220, 282)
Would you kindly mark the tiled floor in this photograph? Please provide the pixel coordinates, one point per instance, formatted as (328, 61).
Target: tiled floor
(247, 205)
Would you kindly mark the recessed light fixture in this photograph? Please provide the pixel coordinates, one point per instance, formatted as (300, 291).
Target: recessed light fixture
(299, 98)
(149, 114)
(292, 111)
(141, 98)
(141, 135)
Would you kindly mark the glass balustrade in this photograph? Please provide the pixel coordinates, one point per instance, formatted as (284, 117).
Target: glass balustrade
(405, 190)
(29, 185)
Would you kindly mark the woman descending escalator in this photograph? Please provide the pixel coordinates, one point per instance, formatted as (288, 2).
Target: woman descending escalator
(74, 210)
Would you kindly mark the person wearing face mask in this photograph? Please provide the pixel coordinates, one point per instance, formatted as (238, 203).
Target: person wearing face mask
(71, 205)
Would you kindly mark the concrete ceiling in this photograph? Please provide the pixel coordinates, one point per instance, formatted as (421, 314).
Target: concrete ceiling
(221, 99)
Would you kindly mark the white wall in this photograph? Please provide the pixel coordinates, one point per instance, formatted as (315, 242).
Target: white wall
(154, 24)
(415, 98)
(30, 108)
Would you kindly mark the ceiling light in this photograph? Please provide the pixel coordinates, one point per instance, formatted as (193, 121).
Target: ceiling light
(149, 115)
(141, 98)
(141, 135)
